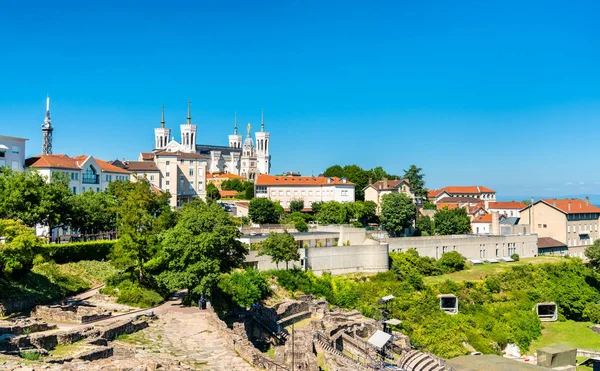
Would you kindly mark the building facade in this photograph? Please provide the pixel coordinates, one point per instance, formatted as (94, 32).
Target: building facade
(375, 191)
(479, 192)
(12, 152)
(285, 189)
(508, 209)
(84, 172)
(573, 222)
(241, 158)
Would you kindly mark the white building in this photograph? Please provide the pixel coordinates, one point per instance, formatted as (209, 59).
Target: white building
(285, 189)
(84, 172)
(479, 192)
(241, 158)
(508, 209)
(12, 152)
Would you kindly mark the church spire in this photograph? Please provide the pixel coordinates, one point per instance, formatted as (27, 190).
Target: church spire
(248, 130)
(262, 120)
(189, 118)
(162, 121)
(235, 124)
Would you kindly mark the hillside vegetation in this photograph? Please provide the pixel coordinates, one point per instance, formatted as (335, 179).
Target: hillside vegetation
(494, 310)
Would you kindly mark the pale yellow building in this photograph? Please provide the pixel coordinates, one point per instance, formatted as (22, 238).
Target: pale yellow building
(573, 222)
(375, 191)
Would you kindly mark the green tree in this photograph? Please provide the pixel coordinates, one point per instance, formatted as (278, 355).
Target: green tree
(281, 247)
(248, 193)
(316, 207)
(263, 211)
(447, 222)
(452, 261)
(245, 287)
(332, 212)
(32, 198)
(362, 211)
(397, 213)
(593, 254)
(526, 202)
(142, 215)
(416, 179)
(19, 248)
(212, 192)
(296, 205)
(202, 245)
(232, 185)
(359, 177)
(335, 170)
(424, 225)
(93, 212)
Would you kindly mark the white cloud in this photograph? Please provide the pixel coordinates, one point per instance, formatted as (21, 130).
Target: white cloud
(581, 183)
(569, 183)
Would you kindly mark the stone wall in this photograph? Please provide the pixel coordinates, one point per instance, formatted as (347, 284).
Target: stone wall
(20, 326)
(110, 332)
(242, 345)
(70, 313)
(13, 306)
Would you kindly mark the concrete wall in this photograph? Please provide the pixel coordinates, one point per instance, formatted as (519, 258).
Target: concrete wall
(337, 260)
(546, 221)
(469, 246)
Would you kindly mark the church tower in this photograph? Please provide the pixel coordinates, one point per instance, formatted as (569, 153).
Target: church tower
(47, 131)
(248, 168)
(161, 134)
(262, 148)
(235, 140)
(188, 133)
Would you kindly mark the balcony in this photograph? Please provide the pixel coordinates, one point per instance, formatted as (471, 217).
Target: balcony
(90, 179)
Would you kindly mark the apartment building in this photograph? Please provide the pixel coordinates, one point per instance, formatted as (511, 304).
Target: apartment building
(84, 172)
(375, 191)
(479, 192)
(572, 221)
(12, 152)
(285, 189)
(508, 209)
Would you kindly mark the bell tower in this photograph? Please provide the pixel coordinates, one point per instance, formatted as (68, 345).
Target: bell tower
(161, 134)
(188, 133)
(235, 140)
(263, 138)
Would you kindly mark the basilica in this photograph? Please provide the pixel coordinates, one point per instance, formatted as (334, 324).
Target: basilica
(240, 157)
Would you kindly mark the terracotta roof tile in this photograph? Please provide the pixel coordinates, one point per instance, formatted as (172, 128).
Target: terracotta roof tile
(506, 205)
(52, 161)
(147, 155)
(487, 218)
(572, 206)
(140, 166)
(391, 184)
(460, 190)
(228, 193)
(264, 179)
(546, 242)
(106, 167)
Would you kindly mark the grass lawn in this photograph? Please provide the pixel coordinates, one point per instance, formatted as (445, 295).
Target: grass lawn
(575, 334)
(476, 272)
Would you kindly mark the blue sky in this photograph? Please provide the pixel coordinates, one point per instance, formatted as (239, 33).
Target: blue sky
(502, 94)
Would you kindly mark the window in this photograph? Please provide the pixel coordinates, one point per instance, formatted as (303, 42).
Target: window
(72, 176)
(568, 229)
(15, 150)
(83, 189)
(287, 193)
(318, 193)
(168, 163)
(168, 174)
(97, 189)
(303, 193)
(281, 193)
(199, 184)
(191, 171)
(191, 162)
(167, 182)
(151, 177)
(295, 193)
(310, 193)
(76, 176)
(74, 190)
(90, 176)
(545, 226)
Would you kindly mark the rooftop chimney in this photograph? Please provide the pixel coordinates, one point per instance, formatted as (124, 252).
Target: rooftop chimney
(554, 201)
(385, 183)
(587, 200)
(370, 180)
(569, 206)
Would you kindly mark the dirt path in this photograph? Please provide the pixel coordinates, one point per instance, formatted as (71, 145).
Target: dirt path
(184, 335)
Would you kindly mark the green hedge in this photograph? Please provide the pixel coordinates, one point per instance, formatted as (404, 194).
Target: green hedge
(76, 251)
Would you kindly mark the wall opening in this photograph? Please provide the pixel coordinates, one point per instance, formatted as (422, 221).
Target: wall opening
(547, 312)
(448, 303)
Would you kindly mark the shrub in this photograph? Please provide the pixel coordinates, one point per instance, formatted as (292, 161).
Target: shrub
(133, 294)
(592, 312)
(515, 257)
(452, 262)
(30, 356)
(76, 251)
(60, 283)
(301, 225)
(245, 287)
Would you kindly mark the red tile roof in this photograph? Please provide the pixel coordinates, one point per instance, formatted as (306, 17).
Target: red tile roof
(52, 161)
(460, 190)
(140, 166)
(147, 155)
(264, 179)
(572, 206)
(231, 193)
(449, 206)
(506, 205)
(105, 166)
(487, 218)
